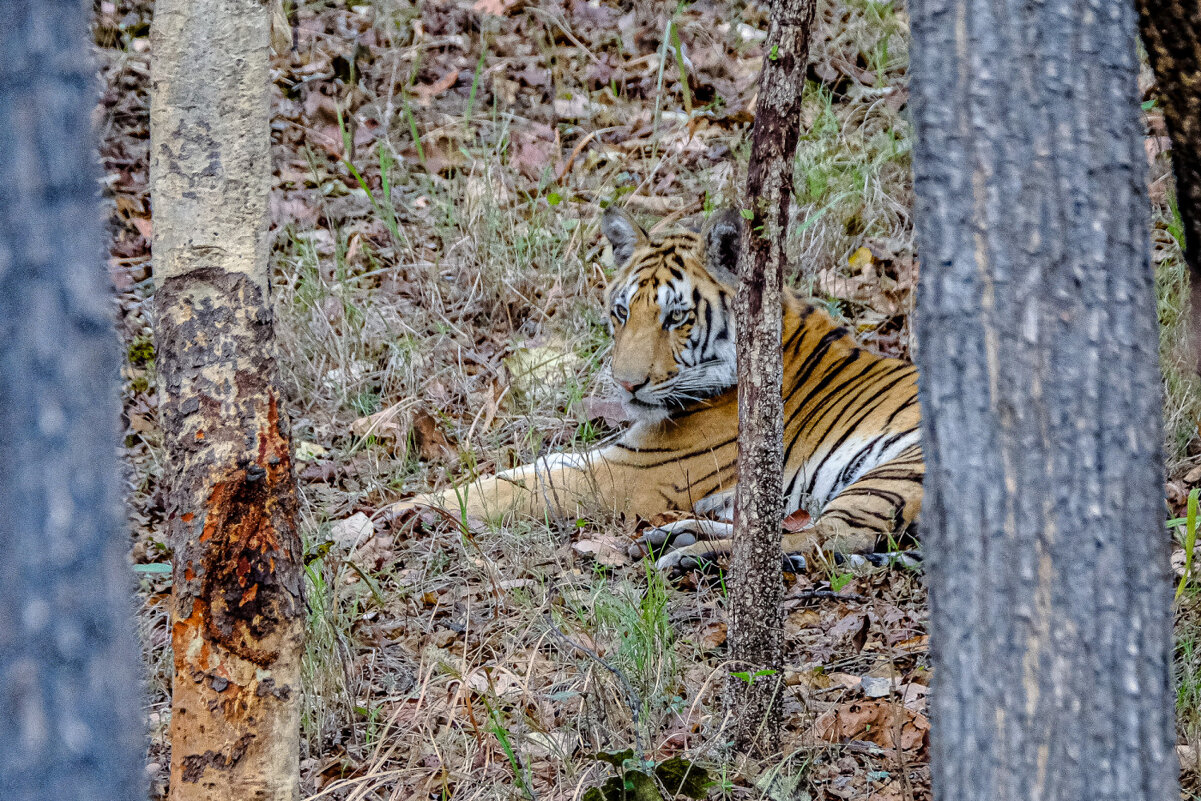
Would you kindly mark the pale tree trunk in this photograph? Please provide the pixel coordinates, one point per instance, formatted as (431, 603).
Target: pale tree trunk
(1171, 31)
(238, 607)
(70, 709)
(756, 585)
(1041, 418)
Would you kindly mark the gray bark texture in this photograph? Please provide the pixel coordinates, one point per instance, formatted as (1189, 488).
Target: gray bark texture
(237, 628)
(756, 585)
(70, 709)
(1043, 514)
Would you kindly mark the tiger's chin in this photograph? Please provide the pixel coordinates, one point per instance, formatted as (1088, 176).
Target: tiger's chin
(641, 412)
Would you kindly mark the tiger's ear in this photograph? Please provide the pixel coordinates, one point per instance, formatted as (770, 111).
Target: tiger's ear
(723, 233)
(623, 234)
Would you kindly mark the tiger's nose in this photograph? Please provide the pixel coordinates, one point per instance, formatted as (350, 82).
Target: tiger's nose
(631, 386)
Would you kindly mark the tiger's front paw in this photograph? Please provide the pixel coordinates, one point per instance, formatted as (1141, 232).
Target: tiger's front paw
(695, 556)
(679, 534)
(705, 555)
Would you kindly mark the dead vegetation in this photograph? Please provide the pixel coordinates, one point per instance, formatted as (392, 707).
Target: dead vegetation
(440, 172)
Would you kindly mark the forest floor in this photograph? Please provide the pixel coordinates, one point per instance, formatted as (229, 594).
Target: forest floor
(440, 169)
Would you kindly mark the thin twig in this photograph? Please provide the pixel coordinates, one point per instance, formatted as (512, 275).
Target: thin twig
(575, 152)
(632, 698)
(561, 25)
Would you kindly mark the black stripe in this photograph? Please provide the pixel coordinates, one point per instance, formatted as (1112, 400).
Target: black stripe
(822, 405)
(676, 455)
(814, 358)
(866, 408)
(909, 402)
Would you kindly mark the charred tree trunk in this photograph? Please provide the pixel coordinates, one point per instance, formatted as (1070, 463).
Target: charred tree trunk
(1171, 31)
(70, 712)
(1041, 417)
(756, 585)
(237, 615)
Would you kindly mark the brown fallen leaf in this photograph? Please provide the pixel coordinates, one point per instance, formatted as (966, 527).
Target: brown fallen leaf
(605, 553)
(386, 425)
(849, 624)
(143, 225)
(712, 635)
(375, 554)
(321, 471)
(426, 92)
(352, 532)
(432, 443)
(890, 794)
(607, 409)
(887, 724)
(534, 150)
(1155, 145)
(281, 28)
(797, 521)
(847, 681)
(142, 424)
(802, 619)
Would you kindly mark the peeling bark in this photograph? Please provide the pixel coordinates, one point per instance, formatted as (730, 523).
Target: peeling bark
(1050, 616)
(1171, 31)
(70, 711)
(238, 606)
(756, 585)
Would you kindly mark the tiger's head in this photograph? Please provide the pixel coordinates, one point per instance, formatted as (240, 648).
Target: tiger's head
(671, 313)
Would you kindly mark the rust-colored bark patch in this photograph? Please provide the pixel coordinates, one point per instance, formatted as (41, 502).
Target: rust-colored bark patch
(240, 595)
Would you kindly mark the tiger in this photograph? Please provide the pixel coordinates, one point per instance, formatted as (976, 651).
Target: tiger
(852, 451)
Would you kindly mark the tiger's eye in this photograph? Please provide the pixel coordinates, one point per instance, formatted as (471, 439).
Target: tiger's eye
(676, 317)
(620, 312)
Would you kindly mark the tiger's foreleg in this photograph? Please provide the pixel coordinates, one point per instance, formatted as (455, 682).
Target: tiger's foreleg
(558, 485)
(714, 523)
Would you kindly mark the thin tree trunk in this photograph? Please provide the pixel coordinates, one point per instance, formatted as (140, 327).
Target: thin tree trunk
(1171, 31)
(237, 615)
(756, 583)
(70, 712)
(1041, 417)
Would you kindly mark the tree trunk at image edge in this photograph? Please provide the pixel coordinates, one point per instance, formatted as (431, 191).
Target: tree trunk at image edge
(237, 614)
(1042, 522)
(756, 583)
(1171, 32)
(70, 707)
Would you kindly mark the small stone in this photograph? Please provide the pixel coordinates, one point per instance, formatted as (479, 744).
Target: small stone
(309, 451)
(876, 686)
(353, 531)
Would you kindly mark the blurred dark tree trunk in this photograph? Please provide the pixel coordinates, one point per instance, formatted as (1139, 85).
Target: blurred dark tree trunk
(238, 606)
(1043, 516)
(756, 585)
(70, 706)
(1171, 31)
